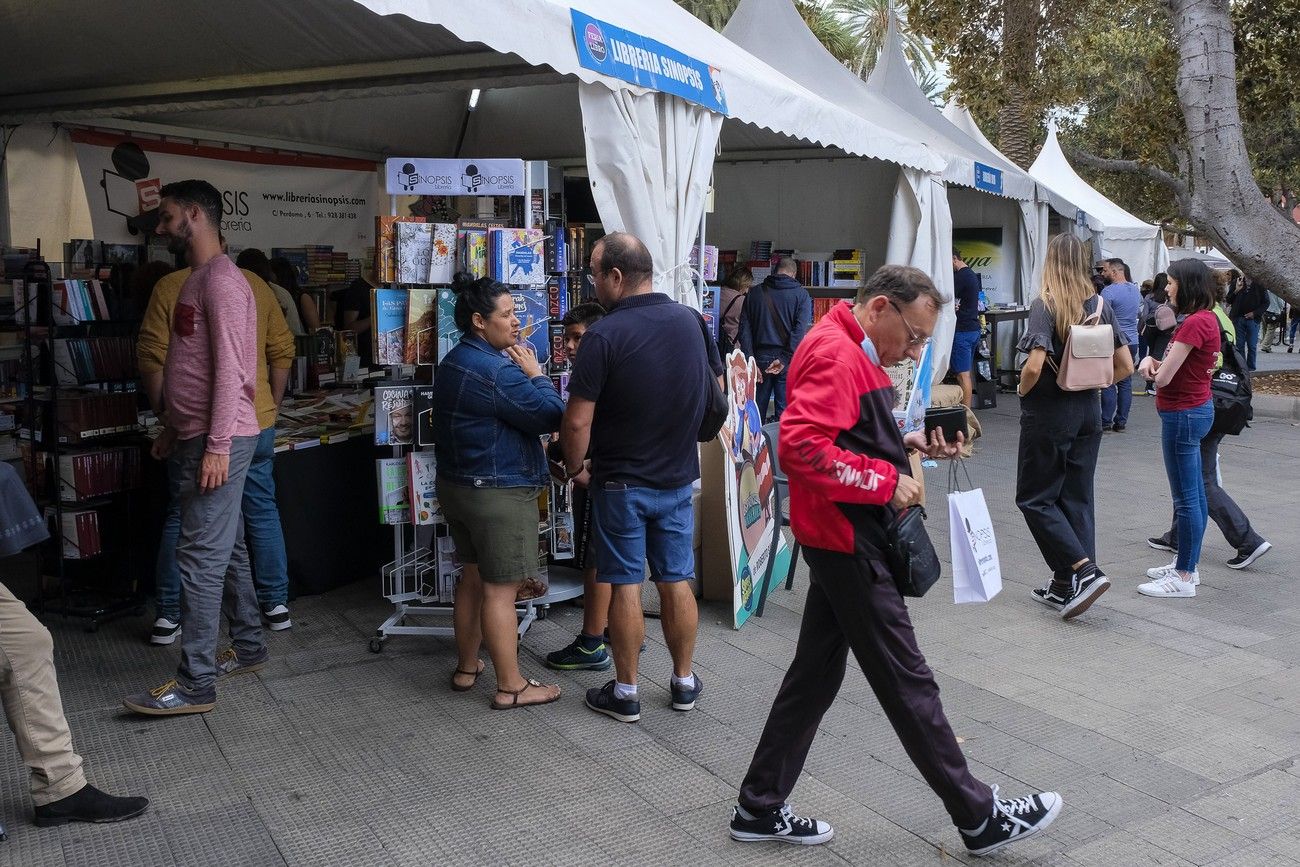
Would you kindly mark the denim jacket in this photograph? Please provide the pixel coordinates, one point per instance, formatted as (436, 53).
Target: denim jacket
(488, 418)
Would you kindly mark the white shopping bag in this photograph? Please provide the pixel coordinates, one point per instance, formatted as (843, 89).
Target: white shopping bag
(976, 572)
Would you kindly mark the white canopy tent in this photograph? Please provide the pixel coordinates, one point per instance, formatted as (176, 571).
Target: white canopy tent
(1123, 235)
(391, 77)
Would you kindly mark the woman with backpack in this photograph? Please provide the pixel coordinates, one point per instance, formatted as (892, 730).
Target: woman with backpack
(1060, 428)
(1159, 319)
(1186, 416)
(730, 303)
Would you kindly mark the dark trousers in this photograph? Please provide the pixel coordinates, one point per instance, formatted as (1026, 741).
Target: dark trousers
(1054, 478)
(772, 388)
(1224, 511)
(853, 604)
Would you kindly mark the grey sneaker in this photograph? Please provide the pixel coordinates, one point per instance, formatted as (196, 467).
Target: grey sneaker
(171, 699)
(229, 663)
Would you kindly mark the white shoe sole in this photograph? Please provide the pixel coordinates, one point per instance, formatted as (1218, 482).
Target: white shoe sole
(1255, 555)
(813, 840)
(163, 640)
(1047, 820)
(613, 714)
(1083, 602)
(279, 627)
(1161, 594)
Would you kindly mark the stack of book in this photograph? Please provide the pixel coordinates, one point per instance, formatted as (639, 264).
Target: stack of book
(82, 416)
(79, 301)
(760, 251)
(79, 360)
(81, 536)
(98, 473)
(847, 269)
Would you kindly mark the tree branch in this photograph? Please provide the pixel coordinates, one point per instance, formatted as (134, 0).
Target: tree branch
(1132, 167)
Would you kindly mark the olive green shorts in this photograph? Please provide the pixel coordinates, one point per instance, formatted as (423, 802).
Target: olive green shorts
(495, 528)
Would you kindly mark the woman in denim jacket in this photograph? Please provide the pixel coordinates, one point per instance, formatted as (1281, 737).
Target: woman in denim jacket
(491, 405)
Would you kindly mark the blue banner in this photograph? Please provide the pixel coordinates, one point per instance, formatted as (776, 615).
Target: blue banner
(988, 178)
(648, 63)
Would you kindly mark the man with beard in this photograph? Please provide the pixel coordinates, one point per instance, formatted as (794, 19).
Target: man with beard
(209, 436)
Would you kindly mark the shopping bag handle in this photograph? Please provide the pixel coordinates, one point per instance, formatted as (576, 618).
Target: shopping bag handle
(954, 477)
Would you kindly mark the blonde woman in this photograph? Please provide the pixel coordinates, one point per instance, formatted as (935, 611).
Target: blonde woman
(1060, 432)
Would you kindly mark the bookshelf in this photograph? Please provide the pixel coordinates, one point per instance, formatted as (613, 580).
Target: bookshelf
(78, 436)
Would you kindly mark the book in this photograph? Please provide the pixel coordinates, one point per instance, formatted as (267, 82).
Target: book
(515, 256)
(394, 491)
(472, 251)
(386, 246)
(424, 415)
(560, 361)
(345, 349)
(709, 308)
(79, 360)
(422, 326)
(414, 252)
(388, 325)
(421, 468)
(708, 264)
(442, 257)
(394, 415)
(533, 309)
(448, 333)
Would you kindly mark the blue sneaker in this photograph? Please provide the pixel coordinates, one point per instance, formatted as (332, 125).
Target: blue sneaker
(602, 700)
(579, 657)
(684, 696)
(171, 699)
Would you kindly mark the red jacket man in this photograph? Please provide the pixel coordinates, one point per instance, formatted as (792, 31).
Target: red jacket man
(849, 471)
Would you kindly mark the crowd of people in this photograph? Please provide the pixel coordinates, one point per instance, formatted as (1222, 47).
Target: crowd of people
(214, 360)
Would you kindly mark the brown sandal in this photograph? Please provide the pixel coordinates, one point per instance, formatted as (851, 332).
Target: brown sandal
(456, 687)
(515, 693)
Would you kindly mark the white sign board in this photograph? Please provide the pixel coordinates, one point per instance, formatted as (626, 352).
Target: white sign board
(270, 199)
(413, 176)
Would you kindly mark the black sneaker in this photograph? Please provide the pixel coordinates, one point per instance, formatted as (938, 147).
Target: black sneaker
(1049, 597)
(1088, 585)
(684, 696)
(781, 825)
(1012, 820)
(277, 617)
(1162, 543)
(165, 630)
(577, 656)
(1246, 556)
(601, 699)
(1118, 427)
(89, 804)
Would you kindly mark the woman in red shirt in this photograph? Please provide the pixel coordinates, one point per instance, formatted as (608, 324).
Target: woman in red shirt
(1186, 414)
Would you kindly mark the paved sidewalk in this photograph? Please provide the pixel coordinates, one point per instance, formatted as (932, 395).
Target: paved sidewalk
(1171, 727)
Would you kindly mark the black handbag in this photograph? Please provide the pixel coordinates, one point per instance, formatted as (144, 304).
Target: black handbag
(912, 557)
(716, 408)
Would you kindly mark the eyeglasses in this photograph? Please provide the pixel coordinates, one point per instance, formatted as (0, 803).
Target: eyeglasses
(916, 339)
(591, 279)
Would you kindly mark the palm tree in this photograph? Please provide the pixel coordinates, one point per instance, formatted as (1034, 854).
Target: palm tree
(715, 13)
(868, 20)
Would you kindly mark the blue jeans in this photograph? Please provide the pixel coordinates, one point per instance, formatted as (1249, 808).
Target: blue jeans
(262, 531)
(772, 387)
(635, 526)
(1181, 432)
(1116, 400)
(1247, 338)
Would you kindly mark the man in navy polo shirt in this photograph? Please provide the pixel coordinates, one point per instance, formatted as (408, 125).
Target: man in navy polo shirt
(637, 395)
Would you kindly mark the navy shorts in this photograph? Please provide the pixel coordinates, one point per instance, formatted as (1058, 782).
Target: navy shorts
(634, 526)
(963, 351)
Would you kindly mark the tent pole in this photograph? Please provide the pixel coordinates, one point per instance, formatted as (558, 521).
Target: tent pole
(699, 257)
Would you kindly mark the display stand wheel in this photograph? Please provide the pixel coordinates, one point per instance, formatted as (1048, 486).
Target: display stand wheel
(376, 644)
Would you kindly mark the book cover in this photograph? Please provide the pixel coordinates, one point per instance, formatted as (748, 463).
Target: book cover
(560, 361)
(394, 491)
(473, 252)
(422, 327)
(386, 246)
(533, 308)
(394, 415)
(422, 470)
(388, 312)
(424, 415)
(517, 257)
(345, 347)
(414, 252)
(709, 308)
(448, 333)
(442, 256)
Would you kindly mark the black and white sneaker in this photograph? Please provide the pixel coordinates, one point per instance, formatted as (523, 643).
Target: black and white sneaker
(277, 618)
(1012, 820)
(164, 631)
(780, 825)
(1088, 586)
(1049, 597)
(1162, 543)
(1246, 556)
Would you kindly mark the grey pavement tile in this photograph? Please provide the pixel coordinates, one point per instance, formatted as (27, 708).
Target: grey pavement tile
(1123, 848)
(1255, 807)
(1188, 836)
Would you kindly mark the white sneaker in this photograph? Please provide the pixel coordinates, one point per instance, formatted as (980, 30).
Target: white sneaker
(277, 618)
(164, 631)
(1174, 588)
(1171, 571)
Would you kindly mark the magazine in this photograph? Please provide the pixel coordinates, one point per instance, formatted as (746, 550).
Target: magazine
(394, 415)
(394, 491)
(388, 317)
(424, 495)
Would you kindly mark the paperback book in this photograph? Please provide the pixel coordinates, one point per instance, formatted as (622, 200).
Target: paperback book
(448, 333)
(388, 317)
(394, 415)
(473, 253)
(424, 415)
(442, 256)
(414, 252)
(515, 256)
(532, 309)
(422, 326)
(386, 246)
(421, 467)
(394, 491)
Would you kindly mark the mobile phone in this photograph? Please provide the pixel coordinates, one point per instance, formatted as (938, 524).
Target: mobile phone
(950, 419)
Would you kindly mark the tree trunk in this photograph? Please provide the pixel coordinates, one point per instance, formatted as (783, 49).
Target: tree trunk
(1220, 195)
(1019, 52)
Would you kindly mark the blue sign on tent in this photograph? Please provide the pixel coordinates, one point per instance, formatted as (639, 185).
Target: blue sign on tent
(988, 178)
(646, 62)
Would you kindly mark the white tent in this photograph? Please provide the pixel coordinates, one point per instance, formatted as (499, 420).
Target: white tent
(391, 77)
(1124, 236)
